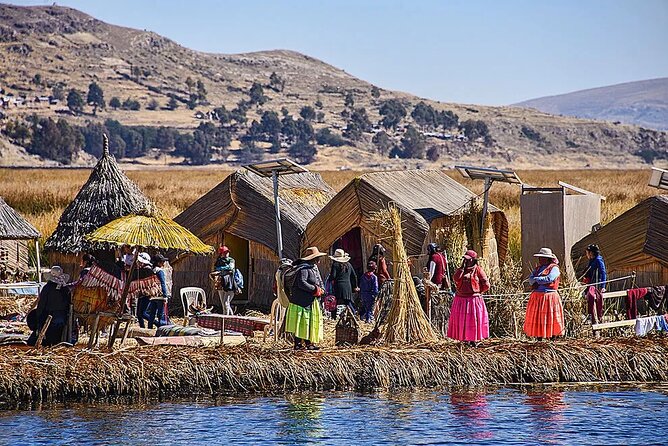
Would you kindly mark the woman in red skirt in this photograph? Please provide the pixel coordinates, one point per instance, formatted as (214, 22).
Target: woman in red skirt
(469, 320)
(545, 313)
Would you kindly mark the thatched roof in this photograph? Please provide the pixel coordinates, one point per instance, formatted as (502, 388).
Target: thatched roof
(107, 195)
(422, 196)
(13, 226)
(638, 236)
(243, 205)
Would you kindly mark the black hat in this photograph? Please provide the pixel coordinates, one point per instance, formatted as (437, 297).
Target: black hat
(159, 258)
(593, 248)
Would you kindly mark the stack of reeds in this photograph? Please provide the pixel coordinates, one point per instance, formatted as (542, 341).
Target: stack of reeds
(507, 306)
(406, 321)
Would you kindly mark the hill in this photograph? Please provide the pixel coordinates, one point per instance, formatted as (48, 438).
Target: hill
(48, 50)
(643, 103)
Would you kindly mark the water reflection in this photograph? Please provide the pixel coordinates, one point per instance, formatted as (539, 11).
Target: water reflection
(547, 412)
(471, 408)
(537, 416)
(301, 418)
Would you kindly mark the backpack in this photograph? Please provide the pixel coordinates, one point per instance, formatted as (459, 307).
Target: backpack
(289, 276)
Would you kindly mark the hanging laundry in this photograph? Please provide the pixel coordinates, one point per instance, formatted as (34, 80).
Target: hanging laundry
(662, 322)
(594, 304)
(645, 324)
(632, 297)
(656, 296)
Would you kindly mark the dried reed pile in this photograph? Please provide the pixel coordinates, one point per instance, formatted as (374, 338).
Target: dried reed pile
(406, 321)
(61, 374)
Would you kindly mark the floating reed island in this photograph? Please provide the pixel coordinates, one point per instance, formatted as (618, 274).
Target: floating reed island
(66, 374)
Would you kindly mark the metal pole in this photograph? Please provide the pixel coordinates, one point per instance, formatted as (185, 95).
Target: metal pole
(488, 185)
(39, 265)
(279, 234)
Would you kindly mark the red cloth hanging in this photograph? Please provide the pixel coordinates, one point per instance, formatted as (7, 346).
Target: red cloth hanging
(632, 297)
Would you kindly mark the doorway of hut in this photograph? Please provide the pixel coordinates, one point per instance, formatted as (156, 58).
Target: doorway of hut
(239, 250)
(351, 242)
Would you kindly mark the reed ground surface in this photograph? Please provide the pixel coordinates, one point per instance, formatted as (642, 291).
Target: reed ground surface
(61, 374)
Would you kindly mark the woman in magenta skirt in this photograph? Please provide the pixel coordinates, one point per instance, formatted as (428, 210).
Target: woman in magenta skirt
(468, 315)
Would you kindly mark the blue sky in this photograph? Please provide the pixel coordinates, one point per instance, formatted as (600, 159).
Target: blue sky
(479, 51)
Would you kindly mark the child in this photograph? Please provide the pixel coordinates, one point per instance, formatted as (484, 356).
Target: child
(369, 291)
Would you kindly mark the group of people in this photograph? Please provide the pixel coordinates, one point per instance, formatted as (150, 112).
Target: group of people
(55, 297)
(469, 319)
(343, 282)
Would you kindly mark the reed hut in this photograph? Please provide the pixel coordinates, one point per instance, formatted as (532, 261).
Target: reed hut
(429, 202)
(15, 232)
(107, 195)
(636, 241)
(239, 212)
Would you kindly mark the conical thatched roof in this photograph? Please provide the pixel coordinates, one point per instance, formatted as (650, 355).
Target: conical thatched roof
(13, 226)
(107, 195)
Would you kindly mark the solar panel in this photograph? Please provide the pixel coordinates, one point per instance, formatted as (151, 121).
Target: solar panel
(281, 166)
(482, 173)
(659, 178)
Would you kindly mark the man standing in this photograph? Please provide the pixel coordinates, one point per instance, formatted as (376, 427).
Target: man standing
(225, 267)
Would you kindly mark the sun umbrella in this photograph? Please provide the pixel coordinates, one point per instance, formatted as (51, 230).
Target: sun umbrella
(149, 232)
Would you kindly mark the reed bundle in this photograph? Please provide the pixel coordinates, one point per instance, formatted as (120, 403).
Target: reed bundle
(60, 374)
(406, 321)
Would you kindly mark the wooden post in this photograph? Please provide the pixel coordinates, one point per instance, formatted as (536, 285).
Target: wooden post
(70, 322)
(42, 332)
(93, 332)
(39, 264)
(126, 331)
(222, 331)
(427, 293)
(114, 334)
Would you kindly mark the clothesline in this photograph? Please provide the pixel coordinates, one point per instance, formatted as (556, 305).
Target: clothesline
(498, 297)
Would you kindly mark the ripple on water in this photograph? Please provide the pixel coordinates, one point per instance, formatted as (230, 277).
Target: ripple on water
(540, 415)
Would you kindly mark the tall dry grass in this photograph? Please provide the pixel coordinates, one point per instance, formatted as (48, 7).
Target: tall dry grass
(41, 195)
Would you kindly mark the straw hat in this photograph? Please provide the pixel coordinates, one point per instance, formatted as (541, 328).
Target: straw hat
(311, 253)
(57, 276)
(340, 256)
(545, 252)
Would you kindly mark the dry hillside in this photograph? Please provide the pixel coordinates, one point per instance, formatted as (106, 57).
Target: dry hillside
(66, 46)
(643, 103)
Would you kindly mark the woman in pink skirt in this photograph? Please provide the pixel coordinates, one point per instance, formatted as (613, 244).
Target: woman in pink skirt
(468, 315)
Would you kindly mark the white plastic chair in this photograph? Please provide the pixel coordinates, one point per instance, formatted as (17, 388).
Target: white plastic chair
(191, 295)
(275, 320)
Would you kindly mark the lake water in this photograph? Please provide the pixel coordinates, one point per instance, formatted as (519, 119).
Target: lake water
(539, 415)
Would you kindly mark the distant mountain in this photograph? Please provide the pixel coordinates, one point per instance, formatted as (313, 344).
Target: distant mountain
(49, 48)
(643, 103)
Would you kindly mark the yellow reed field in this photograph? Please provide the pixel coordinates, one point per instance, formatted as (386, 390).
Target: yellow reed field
(41, 195)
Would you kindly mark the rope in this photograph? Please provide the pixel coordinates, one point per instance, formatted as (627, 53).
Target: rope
(498, 297)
